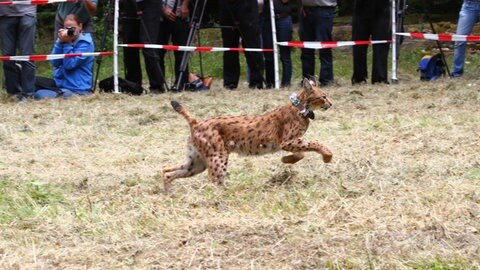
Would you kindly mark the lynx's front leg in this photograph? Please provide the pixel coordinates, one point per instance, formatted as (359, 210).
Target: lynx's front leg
(298, 145)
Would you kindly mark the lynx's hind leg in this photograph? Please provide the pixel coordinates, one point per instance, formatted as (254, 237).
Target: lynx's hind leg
(193, 164)
(216, 156)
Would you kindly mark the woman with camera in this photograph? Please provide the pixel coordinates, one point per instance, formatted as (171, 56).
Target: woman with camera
(71, 75)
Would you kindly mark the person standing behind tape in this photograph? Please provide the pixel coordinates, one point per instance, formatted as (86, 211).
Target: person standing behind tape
(72, 75)
(175, 26)
(316, 24)
(130, 21)
(240, 20)
(284, 28)
(468, 16)
(150, 29)
(371, 20)
(85, 9)
(17, 31)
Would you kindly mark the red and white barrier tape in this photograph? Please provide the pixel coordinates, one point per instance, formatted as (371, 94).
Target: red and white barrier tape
(192, 48)
(441, 37)
(36, 2)
(47, 57)
(329, 44)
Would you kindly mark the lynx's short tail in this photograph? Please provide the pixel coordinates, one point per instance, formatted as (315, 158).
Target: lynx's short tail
(181, 110)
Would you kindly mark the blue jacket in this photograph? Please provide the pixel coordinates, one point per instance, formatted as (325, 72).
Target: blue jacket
(75, 73)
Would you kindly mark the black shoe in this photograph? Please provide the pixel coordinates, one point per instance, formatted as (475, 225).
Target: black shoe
(358, 81)
(255, 86)
(156, 91)
(383, 81)
(327, 83)
(230, 86)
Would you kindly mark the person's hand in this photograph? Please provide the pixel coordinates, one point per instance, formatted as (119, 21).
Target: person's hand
(169, 14)
(63, 36)
(184, 11)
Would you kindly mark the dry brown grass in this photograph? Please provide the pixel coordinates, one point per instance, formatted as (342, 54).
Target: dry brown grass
(80, 184)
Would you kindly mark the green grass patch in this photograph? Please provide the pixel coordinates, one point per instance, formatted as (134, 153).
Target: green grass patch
(440, 264)
(26, 200)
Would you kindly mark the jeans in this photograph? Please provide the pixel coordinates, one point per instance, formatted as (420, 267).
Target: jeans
(284, 29)
(468, 16)
(316, 24)
(49, 94)
(18, 32)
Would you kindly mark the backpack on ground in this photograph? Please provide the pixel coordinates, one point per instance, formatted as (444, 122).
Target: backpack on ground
(125, 86)
(431, 67)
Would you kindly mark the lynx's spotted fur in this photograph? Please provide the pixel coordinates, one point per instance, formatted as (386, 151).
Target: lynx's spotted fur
(212, 140)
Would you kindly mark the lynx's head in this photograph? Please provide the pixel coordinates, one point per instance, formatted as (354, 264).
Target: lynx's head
(313, 97)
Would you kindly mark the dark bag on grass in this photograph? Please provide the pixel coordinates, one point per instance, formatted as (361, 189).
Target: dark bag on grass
(48, 84)
(431, 67)
(124, 86)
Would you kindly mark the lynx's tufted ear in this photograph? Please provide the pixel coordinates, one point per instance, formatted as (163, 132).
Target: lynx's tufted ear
(308, 85)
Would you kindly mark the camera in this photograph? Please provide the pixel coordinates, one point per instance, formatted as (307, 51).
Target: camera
(70, 31)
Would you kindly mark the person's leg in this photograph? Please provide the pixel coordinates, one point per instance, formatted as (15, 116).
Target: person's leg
(284, 33)
(67, 93)
(26, 43)
(381, 30)
(467, 18)
(9, 43)
(249, 26)
(323, 32)
(306, 32)
(149, 34)
(131, 28)
(268, 56)
(180, 37)
(164, 38)
(360, 31)
(45, 94)
(230, 39)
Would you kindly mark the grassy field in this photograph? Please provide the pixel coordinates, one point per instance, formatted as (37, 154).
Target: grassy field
(81, 185)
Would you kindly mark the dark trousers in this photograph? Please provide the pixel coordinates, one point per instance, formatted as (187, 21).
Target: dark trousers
(18, 32)
(284, 28)
(371, 20)
(316, 24)
(178, 32)
(131, 35)
(150, 34)
(243, 17)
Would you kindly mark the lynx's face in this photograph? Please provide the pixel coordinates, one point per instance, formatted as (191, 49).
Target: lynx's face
(314, 97)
